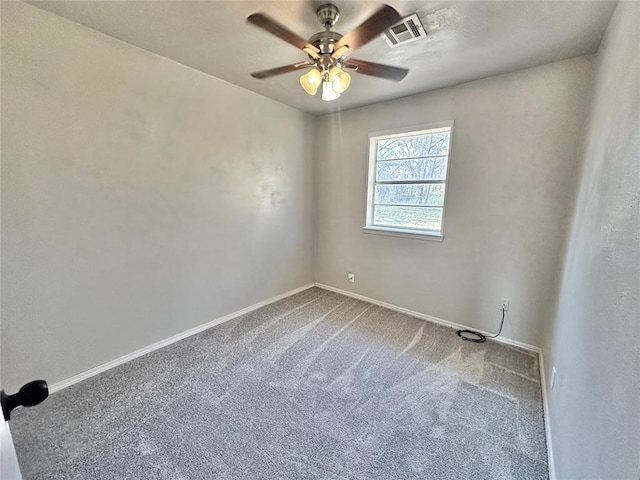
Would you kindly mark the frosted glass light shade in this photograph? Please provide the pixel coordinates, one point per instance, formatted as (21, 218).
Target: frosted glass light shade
(311, 80)
(328, 93)
(339, 79)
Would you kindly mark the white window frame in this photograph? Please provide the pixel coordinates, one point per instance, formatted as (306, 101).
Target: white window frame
(406, 232)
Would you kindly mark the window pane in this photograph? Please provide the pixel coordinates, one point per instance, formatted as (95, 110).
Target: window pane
(416, 169)
(413, 146)
(409, 217)
(429, 195)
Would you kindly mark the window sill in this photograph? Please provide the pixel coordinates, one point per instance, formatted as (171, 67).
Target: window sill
(399, 232)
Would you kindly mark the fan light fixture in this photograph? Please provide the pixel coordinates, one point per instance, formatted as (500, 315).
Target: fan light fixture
(328, 93)
(311, 80)
(339, 79)
(334, 82)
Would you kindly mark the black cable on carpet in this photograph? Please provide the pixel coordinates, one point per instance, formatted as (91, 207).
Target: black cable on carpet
(477, 337)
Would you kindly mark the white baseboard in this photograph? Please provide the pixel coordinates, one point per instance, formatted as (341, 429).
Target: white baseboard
(168, 341)
(547, 424)
(429, 318)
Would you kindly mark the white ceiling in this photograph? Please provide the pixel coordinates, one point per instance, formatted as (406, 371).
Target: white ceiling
(466, 40)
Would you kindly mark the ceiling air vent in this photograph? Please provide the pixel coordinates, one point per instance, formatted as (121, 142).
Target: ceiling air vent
(408, 30)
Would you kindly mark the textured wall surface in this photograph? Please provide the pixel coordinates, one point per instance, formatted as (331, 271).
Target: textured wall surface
(512, 180)
(140, 198)
(595, 341)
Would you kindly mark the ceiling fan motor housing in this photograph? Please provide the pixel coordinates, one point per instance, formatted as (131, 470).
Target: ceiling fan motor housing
(328, 14)
(324, 41)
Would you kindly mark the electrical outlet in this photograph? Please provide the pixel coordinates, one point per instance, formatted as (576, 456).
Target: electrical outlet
(553, 377)
(505, 304)
(352, 277)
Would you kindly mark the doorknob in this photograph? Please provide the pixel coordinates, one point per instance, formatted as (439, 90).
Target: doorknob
(30, 395)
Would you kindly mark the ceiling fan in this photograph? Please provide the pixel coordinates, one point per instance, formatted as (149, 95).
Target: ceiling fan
(329, 52)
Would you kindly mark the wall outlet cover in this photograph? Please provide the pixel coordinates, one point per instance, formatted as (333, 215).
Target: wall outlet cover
(505, 304)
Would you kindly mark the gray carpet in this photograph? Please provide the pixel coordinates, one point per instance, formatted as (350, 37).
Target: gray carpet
(317, 385)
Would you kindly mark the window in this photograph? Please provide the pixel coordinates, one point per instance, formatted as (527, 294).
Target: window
(408, 180)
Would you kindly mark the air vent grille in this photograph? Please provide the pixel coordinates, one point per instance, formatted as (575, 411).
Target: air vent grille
(414, 28)
(408, 30)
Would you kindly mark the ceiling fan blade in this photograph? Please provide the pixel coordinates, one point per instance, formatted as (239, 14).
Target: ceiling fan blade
(279, 70)
(367, 31)
(376, 69)
(262, 21)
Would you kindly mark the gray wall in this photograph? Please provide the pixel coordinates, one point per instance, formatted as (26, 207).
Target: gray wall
(512, 179)
(595, 340)
(140, 197)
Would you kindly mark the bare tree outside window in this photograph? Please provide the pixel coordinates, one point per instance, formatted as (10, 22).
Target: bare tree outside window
(409, 180)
